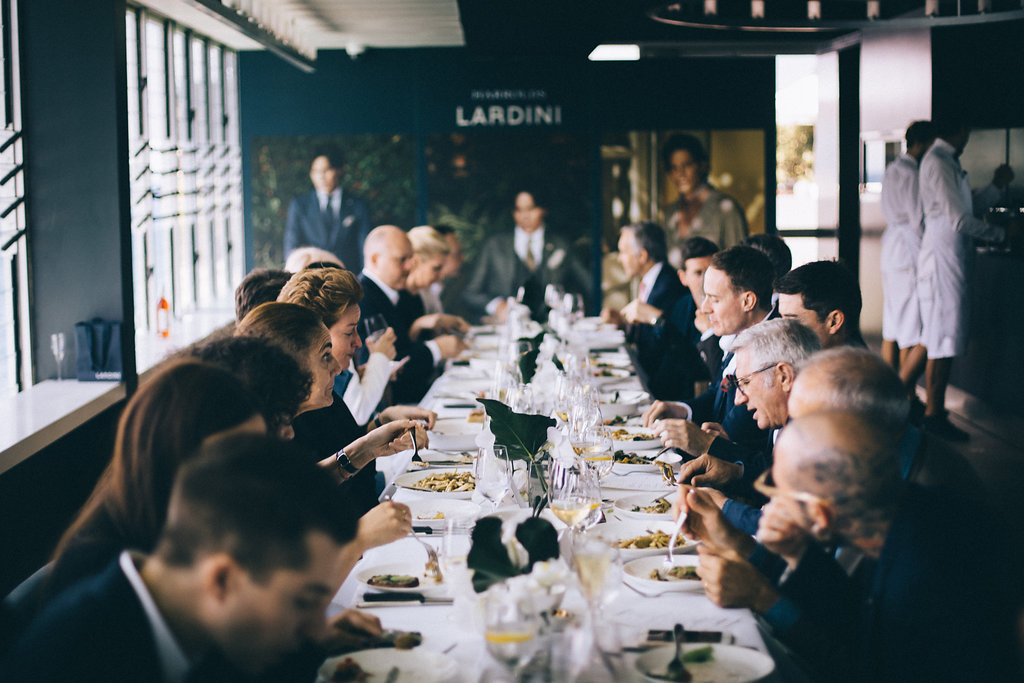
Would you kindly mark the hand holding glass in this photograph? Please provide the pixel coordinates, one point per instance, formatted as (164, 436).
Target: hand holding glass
(373, 327)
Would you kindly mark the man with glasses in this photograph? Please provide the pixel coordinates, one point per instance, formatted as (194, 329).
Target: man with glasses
(911, 611)
(767, 356)
(737, 289)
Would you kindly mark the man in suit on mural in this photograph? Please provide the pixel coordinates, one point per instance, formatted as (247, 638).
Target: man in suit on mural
(531, 257)
(326, 217)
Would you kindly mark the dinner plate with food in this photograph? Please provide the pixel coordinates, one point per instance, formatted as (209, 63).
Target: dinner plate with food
(435, 512)
(654, 575)
(626, 461)
(454, 434)
(401, 577)
(602, 376)
(647, 506)
(413, 666)
(707, 663)
(447, 483)
(636, 538)
(634, 438)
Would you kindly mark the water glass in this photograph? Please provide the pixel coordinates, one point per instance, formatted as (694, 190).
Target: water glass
(373, 327)
(511, 627)
(493, 473)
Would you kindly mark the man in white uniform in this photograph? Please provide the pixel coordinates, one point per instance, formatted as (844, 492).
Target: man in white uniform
(943, 269)
(901, 245)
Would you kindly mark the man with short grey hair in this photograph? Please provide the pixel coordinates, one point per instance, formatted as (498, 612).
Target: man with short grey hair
(767, 355)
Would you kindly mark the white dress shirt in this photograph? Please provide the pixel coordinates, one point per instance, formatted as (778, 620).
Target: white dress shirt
(174, 665)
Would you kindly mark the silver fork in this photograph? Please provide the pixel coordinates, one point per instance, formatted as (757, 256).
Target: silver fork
(669, 562)
(433, 566)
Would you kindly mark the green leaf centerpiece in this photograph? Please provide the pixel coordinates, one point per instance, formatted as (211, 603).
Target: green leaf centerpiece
(524, 437)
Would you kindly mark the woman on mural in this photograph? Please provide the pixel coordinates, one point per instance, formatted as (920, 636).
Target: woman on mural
(701, 210)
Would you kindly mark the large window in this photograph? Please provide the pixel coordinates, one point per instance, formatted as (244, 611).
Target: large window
(185, 169)
(15, 362)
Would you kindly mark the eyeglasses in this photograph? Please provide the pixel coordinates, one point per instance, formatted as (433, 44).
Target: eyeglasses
(766, 487)
(738, 383)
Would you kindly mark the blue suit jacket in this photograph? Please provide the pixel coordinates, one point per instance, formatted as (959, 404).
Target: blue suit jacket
(415, 378)
(342, 234)
(666, 355)
(96, 630)
(920, 612)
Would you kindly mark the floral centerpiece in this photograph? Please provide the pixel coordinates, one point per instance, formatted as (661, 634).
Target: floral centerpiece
(525, 438)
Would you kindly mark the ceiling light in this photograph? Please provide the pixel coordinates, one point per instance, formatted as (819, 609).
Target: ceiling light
(615, 53)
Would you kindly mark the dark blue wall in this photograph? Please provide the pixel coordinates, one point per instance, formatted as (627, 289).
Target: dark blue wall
(417, 92)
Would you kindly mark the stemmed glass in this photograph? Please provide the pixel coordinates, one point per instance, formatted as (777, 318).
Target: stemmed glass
(57, 347)
(493, 473)
(574, 492)
(511, 626)
(594, 444)
(584, 410)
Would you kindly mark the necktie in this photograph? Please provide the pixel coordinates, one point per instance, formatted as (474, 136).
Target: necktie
(326, 213)
(530, 261)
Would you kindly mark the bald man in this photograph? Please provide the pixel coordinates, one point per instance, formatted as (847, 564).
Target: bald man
(911, 611)
(387, 258)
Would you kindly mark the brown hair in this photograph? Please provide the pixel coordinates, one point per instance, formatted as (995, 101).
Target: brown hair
(258, 287)
(294, 328)
(161, 427)
(328, 292)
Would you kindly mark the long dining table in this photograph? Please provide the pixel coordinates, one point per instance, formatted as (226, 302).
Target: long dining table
(450, 630)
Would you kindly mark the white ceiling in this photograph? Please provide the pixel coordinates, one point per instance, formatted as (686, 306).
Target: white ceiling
(312, 25)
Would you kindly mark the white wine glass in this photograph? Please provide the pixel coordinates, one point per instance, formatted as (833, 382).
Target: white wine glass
(594, 445)
(598, 567)
(574, 492)
(511, 627)
(493, 474)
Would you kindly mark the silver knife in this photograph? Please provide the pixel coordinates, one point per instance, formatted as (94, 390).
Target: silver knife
(365, 604)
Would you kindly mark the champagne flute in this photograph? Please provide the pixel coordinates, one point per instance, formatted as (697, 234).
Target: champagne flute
(492, 472)
(574, 492)
(373, 327)
(57, 347)
(511, 625)
(598, 567)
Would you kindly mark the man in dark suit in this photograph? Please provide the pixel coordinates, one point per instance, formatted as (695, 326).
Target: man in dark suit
(250, 556)
(531, 257)
(907, 611)
(667, 359)
(738, 289)
(327, 218)
(388, 257)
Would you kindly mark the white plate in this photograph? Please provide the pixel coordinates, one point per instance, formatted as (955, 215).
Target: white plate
(728, 664)
(628, 403)
(412, 568)
(454, 434)
(603, 376)
(632, 445)
(429, 455)
(624, 506)
(410, 479)
(620, 531)
(414, 666)
(612, 360)
(638, 573)
(424, 512)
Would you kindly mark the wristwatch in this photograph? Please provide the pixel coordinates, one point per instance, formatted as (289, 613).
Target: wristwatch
(342, 460)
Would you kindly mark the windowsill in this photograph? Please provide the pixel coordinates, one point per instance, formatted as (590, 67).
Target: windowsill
(45, 412)
(151, 349)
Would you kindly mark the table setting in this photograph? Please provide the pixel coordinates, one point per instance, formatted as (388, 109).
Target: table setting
(552, 529)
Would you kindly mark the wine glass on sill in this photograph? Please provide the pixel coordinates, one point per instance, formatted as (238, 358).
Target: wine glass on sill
(57, 347)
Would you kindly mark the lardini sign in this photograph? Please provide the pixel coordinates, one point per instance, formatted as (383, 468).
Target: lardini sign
(508, 107)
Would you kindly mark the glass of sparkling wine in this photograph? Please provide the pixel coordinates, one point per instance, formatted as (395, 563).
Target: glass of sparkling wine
(595, 446)
(511, 624)
(598, 568)
(574, 492)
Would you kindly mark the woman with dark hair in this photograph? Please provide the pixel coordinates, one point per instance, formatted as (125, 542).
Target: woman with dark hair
(161, 427)
(701, 210)
(323, 425)
(273, 378)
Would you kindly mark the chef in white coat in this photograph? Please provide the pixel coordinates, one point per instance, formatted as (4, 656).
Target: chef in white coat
(943, 271)
(901, 246)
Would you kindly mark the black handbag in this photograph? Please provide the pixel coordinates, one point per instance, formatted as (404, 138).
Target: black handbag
(98, 350)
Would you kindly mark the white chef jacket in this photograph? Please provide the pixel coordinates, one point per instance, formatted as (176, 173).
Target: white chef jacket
(946, 250)
(901, 245)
